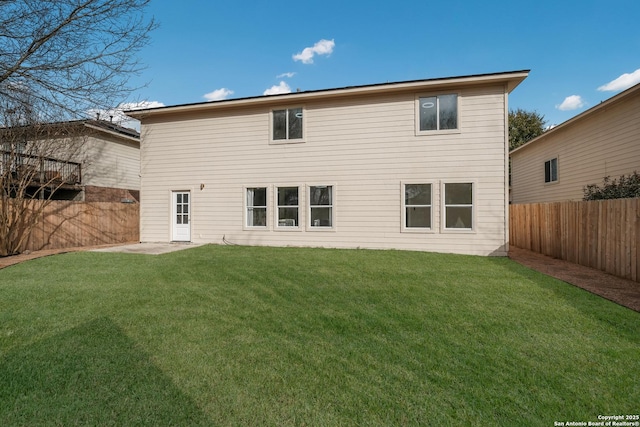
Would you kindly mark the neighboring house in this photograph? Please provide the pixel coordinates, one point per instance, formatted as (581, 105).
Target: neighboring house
(602, 141)
(418, 165)
(86, 160)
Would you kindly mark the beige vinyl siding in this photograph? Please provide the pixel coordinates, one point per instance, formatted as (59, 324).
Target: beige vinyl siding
(604, 143)
(111, 162)
(365, 147)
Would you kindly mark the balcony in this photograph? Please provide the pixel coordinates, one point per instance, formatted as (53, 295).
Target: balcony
(40, 171)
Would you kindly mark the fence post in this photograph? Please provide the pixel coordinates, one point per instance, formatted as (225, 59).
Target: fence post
(603, 234)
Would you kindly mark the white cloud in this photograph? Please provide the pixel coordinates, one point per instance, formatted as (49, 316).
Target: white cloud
(218, 94)
(623, 82)
(572, 102)
(283, 87)
(116, 115)
(287, 75)
(323, 47)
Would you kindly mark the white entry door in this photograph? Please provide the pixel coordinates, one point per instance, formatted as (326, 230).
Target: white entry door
(181, 216)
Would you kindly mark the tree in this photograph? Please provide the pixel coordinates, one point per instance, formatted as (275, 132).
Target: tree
(72, 55)
(524, 126)
(622, 188)
(60, 60)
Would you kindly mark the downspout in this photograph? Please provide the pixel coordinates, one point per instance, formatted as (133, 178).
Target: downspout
(506, 168)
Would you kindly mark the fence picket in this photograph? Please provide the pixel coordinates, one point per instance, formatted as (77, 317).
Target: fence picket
(602, 234)
(65, 224)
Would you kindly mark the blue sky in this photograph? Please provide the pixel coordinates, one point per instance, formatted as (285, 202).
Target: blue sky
(207, 50)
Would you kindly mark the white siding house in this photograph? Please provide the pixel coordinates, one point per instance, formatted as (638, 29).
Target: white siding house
(602, 141)
(414, 165)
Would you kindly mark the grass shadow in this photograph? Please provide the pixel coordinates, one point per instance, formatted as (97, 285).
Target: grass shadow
(90, 375)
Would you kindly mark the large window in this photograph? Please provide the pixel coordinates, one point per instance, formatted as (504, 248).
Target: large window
(287, 212)
(551, 170)
(321, 206)
(417, 206)
(257, 207)
(458, 205)
(287, 124)
(438, 112)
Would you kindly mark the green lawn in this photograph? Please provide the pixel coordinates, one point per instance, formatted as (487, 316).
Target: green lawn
(229, 335)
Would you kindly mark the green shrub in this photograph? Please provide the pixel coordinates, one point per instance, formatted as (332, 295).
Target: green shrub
(622, 188)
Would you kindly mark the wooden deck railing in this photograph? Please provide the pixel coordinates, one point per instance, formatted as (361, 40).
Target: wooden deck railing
(41, 170)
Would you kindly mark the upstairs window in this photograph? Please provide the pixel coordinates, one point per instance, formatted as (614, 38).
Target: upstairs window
(551, 170)
(287, 124)
(438, 112)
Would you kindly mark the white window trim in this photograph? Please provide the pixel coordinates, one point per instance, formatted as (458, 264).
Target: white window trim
(297, 227)
(245, 208)
(474, 207)
(544, 172)
(287, 140)
(333, 205)
(436, 131)
(403, 213)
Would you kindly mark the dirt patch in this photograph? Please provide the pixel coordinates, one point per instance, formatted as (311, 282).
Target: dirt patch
(622, 291)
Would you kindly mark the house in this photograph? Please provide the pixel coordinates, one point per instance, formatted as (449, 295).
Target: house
(85, 160)
(416, 165)
(602, 141)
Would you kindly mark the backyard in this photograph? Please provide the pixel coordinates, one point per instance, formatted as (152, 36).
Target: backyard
(231, 335)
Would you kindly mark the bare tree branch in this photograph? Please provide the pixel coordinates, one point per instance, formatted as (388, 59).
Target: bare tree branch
(75, 55)
(59, 60)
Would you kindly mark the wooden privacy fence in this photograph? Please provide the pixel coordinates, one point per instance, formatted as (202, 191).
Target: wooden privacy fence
(602, 234)
(66, 224)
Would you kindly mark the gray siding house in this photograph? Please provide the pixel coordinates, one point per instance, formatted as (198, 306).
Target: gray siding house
(417, 165)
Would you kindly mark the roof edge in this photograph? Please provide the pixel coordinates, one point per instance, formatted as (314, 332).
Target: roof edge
(513, 79)
(602, 105)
